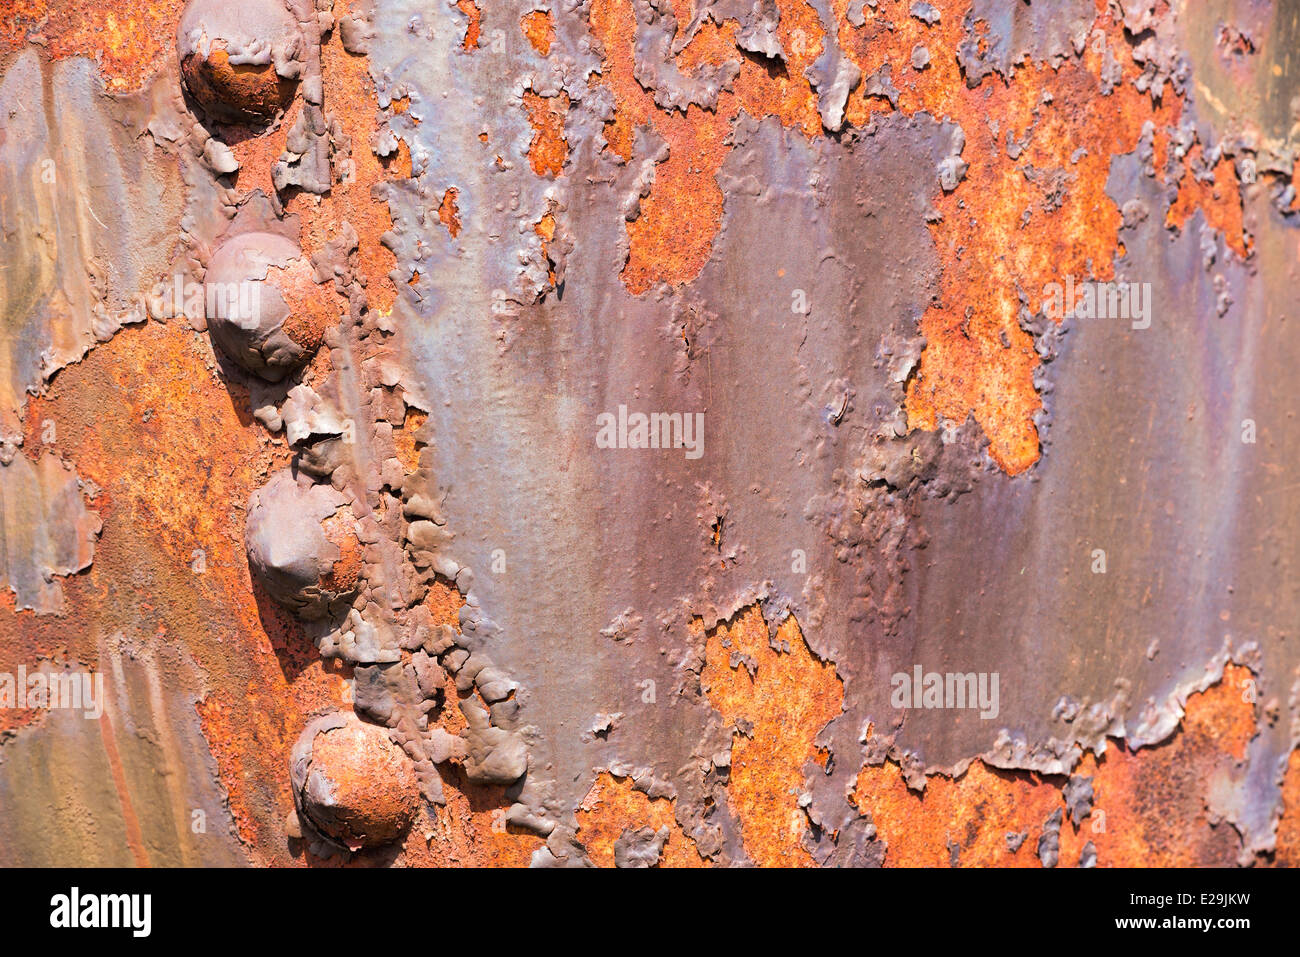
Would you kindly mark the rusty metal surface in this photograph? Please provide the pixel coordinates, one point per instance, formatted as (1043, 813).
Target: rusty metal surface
(379, 570)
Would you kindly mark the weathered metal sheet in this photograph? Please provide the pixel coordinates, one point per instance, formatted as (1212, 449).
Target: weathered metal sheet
(634, 412)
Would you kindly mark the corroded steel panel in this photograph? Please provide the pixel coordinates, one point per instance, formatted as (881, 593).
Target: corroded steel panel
(632, 434)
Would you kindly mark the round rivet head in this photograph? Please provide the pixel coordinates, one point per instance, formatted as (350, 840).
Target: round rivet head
(303, 546)
(351, 783)
(264, 308)
(240, 59)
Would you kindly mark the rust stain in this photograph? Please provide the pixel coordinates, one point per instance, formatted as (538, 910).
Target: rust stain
(1013, 224)
(976, 811)
(1002, 231)
(473, 29)
(1288, 827)
(406, 441)
(130, 41)
(340, 530)
(471, 830)
(612, 805)
(351, 101)
(539, 28)
(1148, 806)
(782, 705)
(548, 149)
(671, 239)
(449, 213)
(445, 602)
(768, 88)
(134, 836)
(1219, 200)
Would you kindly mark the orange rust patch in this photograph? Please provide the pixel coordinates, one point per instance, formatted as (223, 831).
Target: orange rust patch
(445, 601)
(341, 530)
(976, 811)
(545, 228)
(130, 41)
(548, 149)
(1219, 200)
(351, 98)
(1148, 808)
(257, 151)
(474, 27)
(449, 213)
(671, 239)
(1288, 828)
(539, 29)
(1154, 798)
(1013, 224)
(614, 805)
(405, 441)
(471, 829)
(789, 699)
(770, 88)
